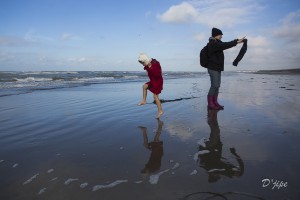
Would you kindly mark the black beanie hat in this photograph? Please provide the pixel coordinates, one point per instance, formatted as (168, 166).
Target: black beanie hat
(215, 32)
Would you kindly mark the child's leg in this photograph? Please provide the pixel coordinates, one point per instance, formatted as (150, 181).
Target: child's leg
(144, 100)
(145, 137)
(158, 131)
(158, 104)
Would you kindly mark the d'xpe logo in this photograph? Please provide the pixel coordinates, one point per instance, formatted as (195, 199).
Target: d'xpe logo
(274, 183)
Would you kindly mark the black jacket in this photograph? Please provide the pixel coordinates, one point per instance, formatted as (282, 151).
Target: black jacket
(215, 53)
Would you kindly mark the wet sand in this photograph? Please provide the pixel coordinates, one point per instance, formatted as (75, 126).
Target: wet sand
(94, 142)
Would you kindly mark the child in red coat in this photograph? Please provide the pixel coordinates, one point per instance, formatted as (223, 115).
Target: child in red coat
(155, 85)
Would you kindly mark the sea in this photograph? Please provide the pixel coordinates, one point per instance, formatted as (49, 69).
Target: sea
(21, 82)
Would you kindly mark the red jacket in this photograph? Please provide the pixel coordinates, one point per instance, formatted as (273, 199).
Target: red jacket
(155, 76)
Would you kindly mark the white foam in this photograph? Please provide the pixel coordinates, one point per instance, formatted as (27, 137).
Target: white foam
(154, 178)
(113, 184)
(175, 166)
(94, 79)
(200, 153)
(202, 142)
(83, 185)
(215, 170)
(50, 171)
(193, 172)
(55, 178)
(129, 77)
(1, 161)
(67, 182)
(15, 165)
(138, 182)
(31, 179)
(33, 79)
(42, 191)
(235, 169)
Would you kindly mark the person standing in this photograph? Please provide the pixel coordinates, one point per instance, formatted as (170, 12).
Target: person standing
(216, 65)
(155, 85)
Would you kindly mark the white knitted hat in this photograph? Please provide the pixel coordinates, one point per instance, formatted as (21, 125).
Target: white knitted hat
(144, 59)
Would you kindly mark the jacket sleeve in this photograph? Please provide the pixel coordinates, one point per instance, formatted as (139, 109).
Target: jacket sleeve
(220, 46)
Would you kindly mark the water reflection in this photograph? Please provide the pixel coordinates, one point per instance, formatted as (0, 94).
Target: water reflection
(156, 148)
(210, 153)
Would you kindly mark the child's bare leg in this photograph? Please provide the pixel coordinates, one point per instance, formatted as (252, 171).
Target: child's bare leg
(158, 104)
(144, 100)
(158, 131)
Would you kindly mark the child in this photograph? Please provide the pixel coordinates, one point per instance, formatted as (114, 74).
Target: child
(155, 85)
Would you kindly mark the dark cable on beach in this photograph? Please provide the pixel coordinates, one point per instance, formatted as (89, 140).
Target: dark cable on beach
(244, 194)
(172, 100)
(222, 195)
(211, 193)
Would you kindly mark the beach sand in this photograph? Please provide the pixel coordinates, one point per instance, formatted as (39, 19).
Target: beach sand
(88, 142)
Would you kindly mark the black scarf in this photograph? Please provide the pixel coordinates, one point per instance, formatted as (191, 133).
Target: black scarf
(241, 53)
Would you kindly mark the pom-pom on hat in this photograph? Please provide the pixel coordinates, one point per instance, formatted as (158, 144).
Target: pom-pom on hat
(215, 32)
(144, 59)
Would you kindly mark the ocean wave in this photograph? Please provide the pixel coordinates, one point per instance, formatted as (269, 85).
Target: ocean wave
(49, 72)
(33, 79)
(93, 79)
(12, 83)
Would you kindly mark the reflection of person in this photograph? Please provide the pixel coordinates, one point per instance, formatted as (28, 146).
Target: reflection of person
(155, 85)
(216, 64)
(156, 148)
(213, 162)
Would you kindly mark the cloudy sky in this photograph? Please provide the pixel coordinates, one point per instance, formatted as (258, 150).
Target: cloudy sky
(110, 34)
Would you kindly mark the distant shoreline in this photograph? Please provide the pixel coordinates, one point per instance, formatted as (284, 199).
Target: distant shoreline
(280, 72)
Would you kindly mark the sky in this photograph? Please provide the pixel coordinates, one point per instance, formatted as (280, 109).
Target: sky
(109, 35)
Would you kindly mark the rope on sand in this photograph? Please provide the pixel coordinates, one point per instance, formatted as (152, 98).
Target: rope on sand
(172, 100)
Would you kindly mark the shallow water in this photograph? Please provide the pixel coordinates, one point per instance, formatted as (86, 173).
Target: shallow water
(87, 142)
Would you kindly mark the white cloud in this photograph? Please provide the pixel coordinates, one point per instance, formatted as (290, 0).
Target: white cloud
(258, 41)
(291, 17)
(287, 35)
(183, 12)
(289, 27)
(33, 36)
(68, 36)
(200, 37)
(12, 41)
(6, 57)
(210, 13)
(82, 59)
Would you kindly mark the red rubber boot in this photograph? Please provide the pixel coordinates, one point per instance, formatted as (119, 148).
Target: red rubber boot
(215, 100)
(211, 104)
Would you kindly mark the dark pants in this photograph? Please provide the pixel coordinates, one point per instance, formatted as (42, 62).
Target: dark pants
(215, 82)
